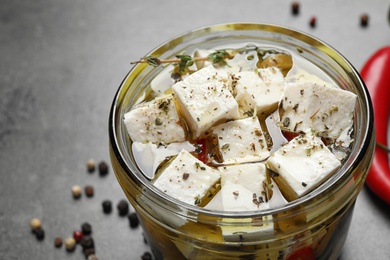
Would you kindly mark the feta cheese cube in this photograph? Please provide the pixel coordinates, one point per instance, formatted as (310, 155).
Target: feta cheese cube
(241, 141)
(204, 99)
(236, 198)
(327, 110)
(302, 165)
(260, 91)
(187, 179)
(251, 176)
(156, 121)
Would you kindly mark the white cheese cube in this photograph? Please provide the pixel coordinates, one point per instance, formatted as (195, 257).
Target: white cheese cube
(236, 198)
(251, 176)
(187, 179)
(149, 156)
(327, 110)
(260, 91)
(156, 121)
(241, 141)
(204, 99)
(302, 165)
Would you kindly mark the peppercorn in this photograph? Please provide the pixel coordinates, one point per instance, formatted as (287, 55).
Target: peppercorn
(92, 257)
(39, 233)
(123, 208)
(89, 251)
(91, 165)
(70, 244)
(58, 242)
(295, 8)
(35, 224)
(86, 228)
(107, 206)
(146, 256)
(364, 20)
(103, 168)
(313, 21)
(87, 242)
(77, 235)
(89, 191)
(76, 191)
(133, 220)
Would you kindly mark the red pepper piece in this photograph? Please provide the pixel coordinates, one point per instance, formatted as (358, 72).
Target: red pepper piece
(202, 146)
(376, 75)
(305, 253)
(289, 135)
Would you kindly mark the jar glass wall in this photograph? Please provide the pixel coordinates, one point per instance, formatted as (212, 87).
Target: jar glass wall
(315, 225)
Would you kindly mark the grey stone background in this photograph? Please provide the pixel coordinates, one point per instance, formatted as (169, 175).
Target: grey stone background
(60, 65)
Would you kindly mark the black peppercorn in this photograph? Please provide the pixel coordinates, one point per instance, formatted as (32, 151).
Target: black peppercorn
(123, 208)
(86, 228)
(39, 233)
(364, 20)
(107, 206)
(133, 220)
(87, 242)
(103, 168)
(295, 8)
(146, 256)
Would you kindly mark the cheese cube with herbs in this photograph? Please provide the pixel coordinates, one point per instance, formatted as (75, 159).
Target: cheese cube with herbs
(251, 176)
(241, 141)
(258, 91)
(156, 121)
(327, 110)
(204, 99)
(302, 165)
(188, 179)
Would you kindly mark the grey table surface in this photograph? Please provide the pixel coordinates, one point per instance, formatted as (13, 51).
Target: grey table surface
(60, 65)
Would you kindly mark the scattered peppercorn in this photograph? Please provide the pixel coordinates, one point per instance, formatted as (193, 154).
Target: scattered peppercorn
(87, 242)
(77, 235)
(364, 20)
(295, 8)
(86, 228)
(58, 242)
(92, 257)
(39, 233)
(146, 256)
(123, 208)
(103, 168)
(91, 165)
(35, 224)
(133, 220)
(313, 21)
(107, 206)
(70, 244)
(89, 191)
(76, 191)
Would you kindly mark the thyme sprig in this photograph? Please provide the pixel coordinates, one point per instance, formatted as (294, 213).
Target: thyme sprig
(183, 61)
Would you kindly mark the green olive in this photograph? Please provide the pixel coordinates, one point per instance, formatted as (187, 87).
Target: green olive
(282, 61)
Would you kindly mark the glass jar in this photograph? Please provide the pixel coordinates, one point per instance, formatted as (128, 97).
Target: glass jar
(312, 227)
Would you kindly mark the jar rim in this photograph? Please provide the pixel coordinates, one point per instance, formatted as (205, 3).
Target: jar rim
(358, 152)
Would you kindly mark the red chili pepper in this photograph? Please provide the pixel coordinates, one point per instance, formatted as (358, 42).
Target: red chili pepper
(376, 75)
